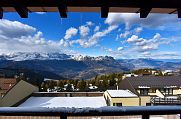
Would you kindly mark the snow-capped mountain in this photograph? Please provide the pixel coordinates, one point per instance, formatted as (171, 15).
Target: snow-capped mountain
(22, 56)
(57, 65)
(89, 58)
(68, 66)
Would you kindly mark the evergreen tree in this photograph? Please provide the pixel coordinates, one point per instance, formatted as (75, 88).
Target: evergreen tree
(60, 83)
(82, 85)
(69, 88)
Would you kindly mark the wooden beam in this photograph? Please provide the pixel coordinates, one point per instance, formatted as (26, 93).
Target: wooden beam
(62, 7)
(172, 12)
(63, 11)
(145, 116)
(104, 12)
(104, 8)
(22, 11)
(144, 12)
(96, 3)
(1, 13)
(179, 12)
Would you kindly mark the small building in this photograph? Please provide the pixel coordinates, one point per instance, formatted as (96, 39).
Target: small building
(168, 72)
(17, 94)
(149, 88)
(121, 98)
(6, 84)
(129, 75)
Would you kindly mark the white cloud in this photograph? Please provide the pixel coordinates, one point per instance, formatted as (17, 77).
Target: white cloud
(117, 37)
(26, 38)
(120, 48)
(134, 39)
(124, 35)
(41, 13)
(160, 21)
(89, 23)
(84, 30)
(146, 48)
(33, 43)
(149, 47)
(166, 55)
(64, 43)
(157, 36)
(15, 28)
(111, 52)
(93, 40)
(138, 29)
(145, 45)
(97, 28)
(18, 37)
(146, 53)
(70, 32)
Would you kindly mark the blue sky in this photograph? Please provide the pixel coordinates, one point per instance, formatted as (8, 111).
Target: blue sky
(121, 35)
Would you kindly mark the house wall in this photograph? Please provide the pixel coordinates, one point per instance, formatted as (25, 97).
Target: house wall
(20, 91)
(126, 101)
(176, 91)
(130, 101)
(144, 100)
(65, 94)
(157, 93)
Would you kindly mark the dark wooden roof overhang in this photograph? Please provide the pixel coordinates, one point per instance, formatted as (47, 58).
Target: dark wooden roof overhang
(144, 7)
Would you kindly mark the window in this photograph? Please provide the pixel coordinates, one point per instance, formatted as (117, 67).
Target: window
(167, 91)
(143, 91)
(148, 104)
(117, 104)
(152, 90)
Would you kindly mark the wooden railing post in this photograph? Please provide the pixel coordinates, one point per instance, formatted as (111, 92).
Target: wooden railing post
(63, 117)
(145, 116)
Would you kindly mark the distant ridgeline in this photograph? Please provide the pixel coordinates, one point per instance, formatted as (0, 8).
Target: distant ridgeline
(62, 66)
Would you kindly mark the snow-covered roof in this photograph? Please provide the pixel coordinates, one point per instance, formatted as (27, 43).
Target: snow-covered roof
(77, 102)
(47, 79)
(121, 93)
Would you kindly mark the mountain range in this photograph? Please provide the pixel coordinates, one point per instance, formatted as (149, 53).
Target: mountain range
(63, 66)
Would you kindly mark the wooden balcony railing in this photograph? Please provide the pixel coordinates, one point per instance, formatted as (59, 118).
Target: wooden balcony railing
(63, 113)
(165, 101)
